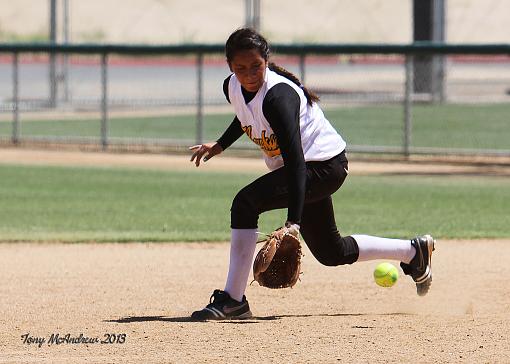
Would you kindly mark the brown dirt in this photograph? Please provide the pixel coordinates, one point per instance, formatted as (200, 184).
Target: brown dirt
(445, 166)
(147, 292)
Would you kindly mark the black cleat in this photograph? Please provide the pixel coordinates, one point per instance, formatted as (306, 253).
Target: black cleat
(223, 307)
(420, 268)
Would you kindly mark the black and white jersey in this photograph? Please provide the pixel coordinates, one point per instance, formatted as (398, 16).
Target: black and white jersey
(319, 140)
(289, 131)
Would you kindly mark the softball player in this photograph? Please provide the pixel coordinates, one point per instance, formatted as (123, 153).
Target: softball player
(307, 163)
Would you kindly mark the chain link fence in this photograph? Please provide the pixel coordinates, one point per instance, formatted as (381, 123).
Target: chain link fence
(416, 99)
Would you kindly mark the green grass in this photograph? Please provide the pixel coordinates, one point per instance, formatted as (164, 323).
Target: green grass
(80, 204)
(447, 126)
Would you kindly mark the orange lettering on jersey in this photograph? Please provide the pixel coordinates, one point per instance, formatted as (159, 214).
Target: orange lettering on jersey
(269, 145)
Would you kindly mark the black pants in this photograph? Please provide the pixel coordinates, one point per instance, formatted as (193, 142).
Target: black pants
(318, 226)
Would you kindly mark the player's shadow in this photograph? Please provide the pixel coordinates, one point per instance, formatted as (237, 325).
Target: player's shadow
(252, 320)
(134, 319)
(131, 319)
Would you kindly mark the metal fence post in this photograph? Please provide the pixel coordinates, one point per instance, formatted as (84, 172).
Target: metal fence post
(408, 104)
(65, 65)
(52, 72)
(15, 99)
(104, 100)
(302, 57)
(200, 99)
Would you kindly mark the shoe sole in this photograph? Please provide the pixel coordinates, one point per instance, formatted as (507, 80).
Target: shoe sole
(244, 316)
(218, 317)
(425, 280)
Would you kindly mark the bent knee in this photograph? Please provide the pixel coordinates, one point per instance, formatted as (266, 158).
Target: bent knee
(343, 251)
(333, 261)
(243, 211)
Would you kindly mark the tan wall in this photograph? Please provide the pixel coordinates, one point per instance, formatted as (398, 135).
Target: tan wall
(175, 21)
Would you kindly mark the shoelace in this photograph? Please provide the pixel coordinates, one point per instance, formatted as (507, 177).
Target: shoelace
(216, 295)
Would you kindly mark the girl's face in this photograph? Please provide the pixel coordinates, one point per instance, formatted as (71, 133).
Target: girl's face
(250, 69)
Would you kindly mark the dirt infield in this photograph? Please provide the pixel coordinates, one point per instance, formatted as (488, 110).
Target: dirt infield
(46, 157)
(144, 293)
(138, 297)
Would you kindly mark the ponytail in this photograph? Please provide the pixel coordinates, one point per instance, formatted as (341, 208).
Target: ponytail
(310, 96)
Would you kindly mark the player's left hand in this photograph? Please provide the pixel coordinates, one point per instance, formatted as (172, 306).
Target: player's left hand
(278, 262)
(292, 228)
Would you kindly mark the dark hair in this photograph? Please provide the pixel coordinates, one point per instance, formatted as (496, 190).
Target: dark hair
(245, 39)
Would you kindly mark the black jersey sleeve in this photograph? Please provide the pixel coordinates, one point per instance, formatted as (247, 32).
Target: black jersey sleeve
(281, 108)
(234, 131)
(231, 134)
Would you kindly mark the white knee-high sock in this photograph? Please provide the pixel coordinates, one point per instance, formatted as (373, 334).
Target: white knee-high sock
(372, 247)
(242, 248)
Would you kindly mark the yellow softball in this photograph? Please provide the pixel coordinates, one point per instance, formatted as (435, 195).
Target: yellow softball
(385, 275)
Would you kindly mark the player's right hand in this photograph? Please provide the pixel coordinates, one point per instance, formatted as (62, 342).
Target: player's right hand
(205, 151)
